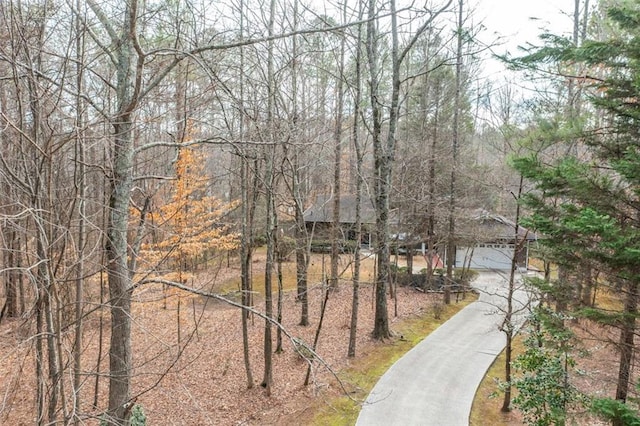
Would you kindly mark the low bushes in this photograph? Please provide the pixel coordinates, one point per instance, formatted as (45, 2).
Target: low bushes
(324, 246)
(461, 279)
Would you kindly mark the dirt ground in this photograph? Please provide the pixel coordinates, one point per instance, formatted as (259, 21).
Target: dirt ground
(189, 367)
(188, 358)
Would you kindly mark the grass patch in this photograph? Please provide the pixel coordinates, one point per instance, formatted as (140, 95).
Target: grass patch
(488, 400)
(365, 372)
(607, 299)
(319, 267)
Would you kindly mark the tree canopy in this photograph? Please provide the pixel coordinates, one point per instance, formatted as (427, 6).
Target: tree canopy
(586, 203)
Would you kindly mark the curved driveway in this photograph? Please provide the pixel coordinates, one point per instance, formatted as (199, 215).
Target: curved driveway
(436, 381)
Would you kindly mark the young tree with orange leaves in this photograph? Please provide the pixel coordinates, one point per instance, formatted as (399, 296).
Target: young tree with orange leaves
(189, 223)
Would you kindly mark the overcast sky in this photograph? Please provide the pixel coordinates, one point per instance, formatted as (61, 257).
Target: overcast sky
(512, 19)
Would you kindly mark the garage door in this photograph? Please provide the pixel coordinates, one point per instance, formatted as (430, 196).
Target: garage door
(486, 256)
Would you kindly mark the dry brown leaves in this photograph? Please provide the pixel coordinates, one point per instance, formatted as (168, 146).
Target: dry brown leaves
(201, 379)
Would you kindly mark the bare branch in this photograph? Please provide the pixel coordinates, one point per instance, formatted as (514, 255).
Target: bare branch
(421, 30)
(181, 55)
(295, 342)
(103, 20)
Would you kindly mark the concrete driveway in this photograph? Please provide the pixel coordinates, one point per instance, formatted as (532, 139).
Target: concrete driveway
(435, 382)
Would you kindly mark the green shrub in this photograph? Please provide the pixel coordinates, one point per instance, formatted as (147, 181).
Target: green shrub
(324, 246)
(542, 372)
(259, 240)
(464, 276)
(286, 246)
(138, 418)
(398, 269)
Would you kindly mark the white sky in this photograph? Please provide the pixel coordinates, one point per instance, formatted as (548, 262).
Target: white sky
(511, 19)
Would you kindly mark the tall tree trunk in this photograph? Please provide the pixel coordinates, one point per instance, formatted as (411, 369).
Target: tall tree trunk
(279, 259)
(353, 327)
(268, 275)
(81, 191)
(270, 201)
(431, 196)
(245, 212)
(120, 185)
(381, 243)
(562, 289)
(302, 251)
(298, 190)
(11, 272)
(336, 230)
(10, 250)
(508, 327)
(245, 260)
(451, 237)
(588, 286)
(384, 152)
(574, 91)
(39, 359)
(120, 357)
(626, 341)
(41, 200)
(44, 279)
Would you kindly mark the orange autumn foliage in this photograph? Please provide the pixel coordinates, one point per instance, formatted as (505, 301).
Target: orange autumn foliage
(189, 223)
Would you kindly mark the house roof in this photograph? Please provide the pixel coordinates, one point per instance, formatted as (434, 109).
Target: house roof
(322, 209)
(494, 226)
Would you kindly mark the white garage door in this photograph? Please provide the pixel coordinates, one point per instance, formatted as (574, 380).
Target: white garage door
(486, 256)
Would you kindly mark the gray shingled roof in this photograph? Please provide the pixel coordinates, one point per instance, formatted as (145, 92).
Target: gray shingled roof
(501, 227)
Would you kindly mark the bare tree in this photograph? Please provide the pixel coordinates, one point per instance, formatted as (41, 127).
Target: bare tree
(81, 188)
(247, 208)
(337, 175)
(513, 307)
(359, 154)
(384, 151)
(451, 244)
(269, 182)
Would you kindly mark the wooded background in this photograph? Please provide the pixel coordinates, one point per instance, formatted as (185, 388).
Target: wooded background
(143, 140)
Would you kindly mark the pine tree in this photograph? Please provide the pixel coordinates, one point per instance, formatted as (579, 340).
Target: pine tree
(587, 203)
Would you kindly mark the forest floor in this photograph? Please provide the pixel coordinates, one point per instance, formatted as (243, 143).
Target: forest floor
(188, 358)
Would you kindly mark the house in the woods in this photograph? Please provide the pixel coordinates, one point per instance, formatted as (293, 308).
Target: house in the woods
(488, 241)
(483, 240)
(319, 217)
